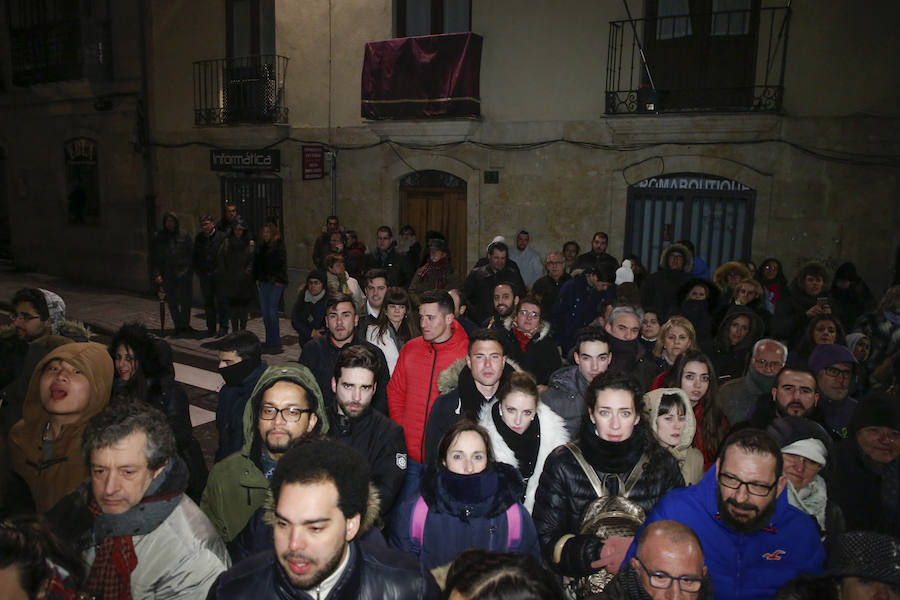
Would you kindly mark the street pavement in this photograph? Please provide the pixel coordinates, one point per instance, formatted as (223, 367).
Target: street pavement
(104, 310)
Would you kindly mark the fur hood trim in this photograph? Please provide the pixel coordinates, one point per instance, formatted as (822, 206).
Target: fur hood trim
(553, 435)
(651, 411)
(720, 277)
(676, 247)
(542, 332)
(448, 379)
(76, 331)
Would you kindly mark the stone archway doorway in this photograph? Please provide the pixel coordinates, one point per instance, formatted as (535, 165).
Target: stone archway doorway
(436, 201)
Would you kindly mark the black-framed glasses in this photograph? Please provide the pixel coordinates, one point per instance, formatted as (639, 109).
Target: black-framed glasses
(753, 488)
(835, 372)
(23, 317)
(291, 414)
(663, 581)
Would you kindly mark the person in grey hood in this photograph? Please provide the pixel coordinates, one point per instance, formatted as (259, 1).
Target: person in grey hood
(286, 404)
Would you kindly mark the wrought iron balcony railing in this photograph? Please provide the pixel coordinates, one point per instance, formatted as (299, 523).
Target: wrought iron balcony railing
(60, 51)
(712, 62)
(248, 89)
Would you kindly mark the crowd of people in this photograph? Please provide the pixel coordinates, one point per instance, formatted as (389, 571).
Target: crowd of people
(566, 427)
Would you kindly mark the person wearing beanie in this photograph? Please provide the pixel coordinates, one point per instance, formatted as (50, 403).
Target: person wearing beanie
(624, 274)
(867, 467)
(834, 366)
(70, 384)
(805, 449)
(865, 565)
(285, 405)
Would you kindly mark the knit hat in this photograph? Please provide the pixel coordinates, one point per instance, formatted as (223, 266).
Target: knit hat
(316, 274)
(439, 244)
(57, 309)
(878, 409)
(867, 555)
(825, 355)
(624, 273)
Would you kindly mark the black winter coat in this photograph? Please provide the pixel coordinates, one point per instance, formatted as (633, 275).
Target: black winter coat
(541, 356)
(858, 488)
(383, 444)
(565, 491)
(270, 263)
(206, 252)
(320, 356)
(173, 252)
(372, 573)
(236, 266)
(399, 270)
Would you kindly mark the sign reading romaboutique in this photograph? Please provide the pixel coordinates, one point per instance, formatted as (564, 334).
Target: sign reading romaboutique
(245, 160)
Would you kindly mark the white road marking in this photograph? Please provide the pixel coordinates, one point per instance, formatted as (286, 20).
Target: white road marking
(201, 416)
(208, 380)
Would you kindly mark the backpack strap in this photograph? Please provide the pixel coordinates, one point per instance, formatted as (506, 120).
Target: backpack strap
(417, 523)
(635, 474)
(513, 528)
(588, 469)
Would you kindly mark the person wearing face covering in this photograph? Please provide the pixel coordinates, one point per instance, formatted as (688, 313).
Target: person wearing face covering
(241, 366)
(71, 384)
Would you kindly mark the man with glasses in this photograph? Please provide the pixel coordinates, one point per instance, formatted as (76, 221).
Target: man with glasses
(530, 342)
(754, 541)
(286, 404)
(739, 397)
(668, 564)
(834, 366)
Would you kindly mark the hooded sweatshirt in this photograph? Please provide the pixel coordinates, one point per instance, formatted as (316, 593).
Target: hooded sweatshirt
(50, 480)
(690, 460)
(237, 486)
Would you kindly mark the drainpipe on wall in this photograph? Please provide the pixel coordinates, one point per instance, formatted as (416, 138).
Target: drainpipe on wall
(331, 161)
(144, 145)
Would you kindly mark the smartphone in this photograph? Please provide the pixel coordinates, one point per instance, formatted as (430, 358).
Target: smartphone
(823, 301)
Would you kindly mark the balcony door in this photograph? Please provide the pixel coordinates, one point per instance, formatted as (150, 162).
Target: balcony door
(702, 53)
(436, 201)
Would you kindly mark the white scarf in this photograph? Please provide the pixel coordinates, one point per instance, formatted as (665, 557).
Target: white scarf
(812, 499)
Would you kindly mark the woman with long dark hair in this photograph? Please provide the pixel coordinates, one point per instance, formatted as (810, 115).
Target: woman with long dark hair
(468, 501)
(270, 272)
(694, 373)
(396, 324)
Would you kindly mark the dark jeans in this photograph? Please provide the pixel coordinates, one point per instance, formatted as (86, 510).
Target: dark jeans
(269, 295)
(214, 302)
(178, 297)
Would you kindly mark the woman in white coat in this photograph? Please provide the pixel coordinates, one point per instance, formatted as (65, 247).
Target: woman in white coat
(523, 430)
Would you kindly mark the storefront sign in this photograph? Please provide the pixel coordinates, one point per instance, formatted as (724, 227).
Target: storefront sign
(691, 182)
(313, 162)
(245, 160)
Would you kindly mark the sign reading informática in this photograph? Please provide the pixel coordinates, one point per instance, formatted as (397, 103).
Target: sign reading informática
(245, 160)
(313, 162)
(692, 182)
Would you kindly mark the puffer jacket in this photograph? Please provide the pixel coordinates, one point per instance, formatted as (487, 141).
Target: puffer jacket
(50, 480)
(729, 359)
(565, 397)
(553, 434)
(541, 355)
(236, 486)
(453, 524)
(372, 573)
(564, 492)
(690, 460)
(413, 388)
(660, 289)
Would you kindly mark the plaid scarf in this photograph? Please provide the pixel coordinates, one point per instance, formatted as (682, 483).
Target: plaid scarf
(110, 577)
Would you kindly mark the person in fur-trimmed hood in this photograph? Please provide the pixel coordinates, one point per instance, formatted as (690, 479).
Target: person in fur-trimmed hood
(467, 385)
(530, 341)
(660, 289)
(523, 430)
(668, 413)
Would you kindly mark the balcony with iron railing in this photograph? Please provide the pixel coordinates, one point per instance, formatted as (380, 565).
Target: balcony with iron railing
(727, 61)
(247, 89)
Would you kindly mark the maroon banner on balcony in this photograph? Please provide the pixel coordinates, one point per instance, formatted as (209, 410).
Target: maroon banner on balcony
(422, 77)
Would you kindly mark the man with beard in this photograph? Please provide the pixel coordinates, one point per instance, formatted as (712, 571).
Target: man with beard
(369, 432)
(505, 299)
(322, 504)
(754, 541)
(834, 366)
(482, 281)
(528, 261)
(320, 354)
(739, 397)
(286, 404)
(793, 394)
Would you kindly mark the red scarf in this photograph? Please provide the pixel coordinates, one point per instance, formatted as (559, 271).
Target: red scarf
(439, 269)
(523, 338)
(110, 576)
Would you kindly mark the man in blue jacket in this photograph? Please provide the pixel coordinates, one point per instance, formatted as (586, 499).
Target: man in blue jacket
(753, 540)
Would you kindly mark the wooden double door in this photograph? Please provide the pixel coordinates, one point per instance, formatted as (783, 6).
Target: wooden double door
(440, 209)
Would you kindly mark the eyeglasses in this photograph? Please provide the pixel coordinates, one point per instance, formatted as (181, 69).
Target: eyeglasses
(755, 489)
(291, 414)
(767, 364)
(800, 461)
(23, 317)
(663, 581)
(530, 313)
(835, 372)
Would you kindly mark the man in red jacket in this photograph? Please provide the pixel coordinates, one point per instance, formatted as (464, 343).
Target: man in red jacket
(414, 385)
